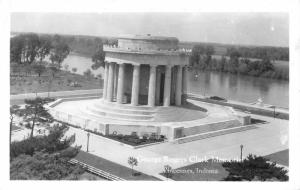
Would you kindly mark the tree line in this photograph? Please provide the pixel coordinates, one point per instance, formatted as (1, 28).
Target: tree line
(32, 48)
(274, 53)
(202, 59)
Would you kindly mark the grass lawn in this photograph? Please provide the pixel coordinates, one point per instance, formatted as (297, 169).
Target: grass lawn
(281, 157)
(111, 167)
(201, 171)
(61, 82)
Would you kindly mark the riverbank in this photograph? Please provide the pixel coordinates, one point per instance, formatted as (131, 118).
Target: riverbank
(63, 81)
(267, 110)
(252, 68)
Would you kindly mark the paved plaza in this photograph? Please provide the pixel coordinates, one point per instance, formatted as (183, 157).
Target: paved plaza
(266, 139)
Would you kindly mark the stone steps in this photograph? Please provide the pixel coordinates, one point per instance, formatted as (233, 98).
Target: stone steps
(116, 115)
(122, 112)
(214, 134)
(112, 117)
(127, 106)
(123, 109)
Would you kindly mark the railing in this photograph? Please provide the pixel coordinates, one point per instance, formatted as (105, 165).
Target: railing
(78, 121)
(97, 171)
(116, 48)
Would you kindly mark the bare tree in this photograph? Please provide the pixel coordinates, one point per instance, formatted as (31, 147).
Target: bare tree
(168, 171)
(14, 110)
(132, 162)
(35, 110)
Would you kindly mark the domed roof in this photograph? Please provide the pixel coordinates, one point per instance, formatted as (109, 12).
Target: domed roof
(149, 37)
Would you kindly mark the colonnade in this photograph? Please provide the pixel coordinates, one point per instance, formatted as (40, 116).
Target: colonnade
(114, 81)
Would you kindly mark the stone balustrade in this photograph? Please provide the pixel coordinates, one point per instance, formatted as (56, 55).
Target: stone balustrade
(115, 48)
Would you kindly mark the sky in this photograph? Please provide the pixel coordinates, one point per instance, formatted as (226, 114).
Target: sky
(266, 29)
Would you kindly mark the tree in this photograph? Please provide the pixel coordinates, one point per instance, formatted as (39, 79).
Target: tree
(60, 50)
(26, 48)
(266, 65)
(201, 56)
(16, 48)
(44, 48)
(53, 69)
(234, 60)
(254, 168)
(14, 110)
(168, 171)
(31, 47)
(45, 157)
(222, 64)
(66, 67)
(35, 110)
(39, 69)
(98, 58)
(44, 166)
(88, 73)
(50, 143)
(132, 162)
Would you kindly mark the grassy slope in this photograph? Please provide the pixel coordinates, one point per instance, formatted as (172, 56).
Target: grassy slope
(30, 84)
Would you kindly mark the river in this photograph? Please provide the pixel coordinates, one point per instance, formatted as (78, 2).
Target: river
(233, 87)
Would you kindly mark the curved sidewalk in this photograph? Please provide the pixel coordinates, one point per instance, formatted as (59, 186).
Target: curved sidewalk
(19, 98)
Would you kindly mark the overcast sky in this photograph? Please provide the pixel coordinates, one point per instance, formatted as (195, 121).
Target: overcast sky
(270, 29)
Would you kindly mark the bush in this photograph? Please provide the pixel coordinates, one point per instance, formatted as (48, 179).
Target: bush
(50, 143)
(88, 73)
(45, 166)
(254, 168)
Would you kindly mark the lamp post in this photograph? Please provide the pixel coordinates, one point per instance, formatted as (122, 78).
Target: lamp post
(241, 152)
(88, 140)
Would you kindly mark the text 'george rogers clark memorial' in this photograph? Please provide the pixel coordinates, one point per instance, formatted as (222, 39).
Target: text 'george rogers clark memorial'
(145, 93)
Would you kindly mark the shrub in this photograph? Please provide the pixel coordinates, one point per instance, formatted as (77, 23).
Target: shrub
(49, 143)
(254, 168)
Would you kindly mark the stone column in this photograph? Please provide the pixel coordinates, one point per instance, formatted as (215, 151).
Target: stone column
(120, 84)
(167, 86)
(184, 80)
(135, 85)
(152, 82)
(178, 86)
(157, 91)
(105, 81)
(184, 85)
(115, 80)
(110, 82)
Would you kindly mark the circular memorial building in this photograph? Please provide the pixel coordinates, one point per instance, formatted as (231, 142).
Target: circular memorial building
(145, 70)
(145, 93)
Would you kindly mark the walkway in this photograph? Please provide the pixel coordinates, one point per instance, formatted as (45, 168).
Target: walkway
(19, 98)
(112, 168)
(266, 139)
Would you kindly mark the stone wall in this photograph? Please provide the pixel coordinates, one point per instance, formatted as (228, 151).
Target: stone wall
(254, 110)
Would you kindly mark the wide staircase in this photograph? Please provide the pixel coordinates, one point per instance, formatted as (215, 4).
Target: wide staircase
(125, 112)
(214, 133)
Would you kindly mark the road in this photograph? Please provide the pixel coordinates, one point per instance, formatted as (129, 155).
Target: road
(19, 98)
